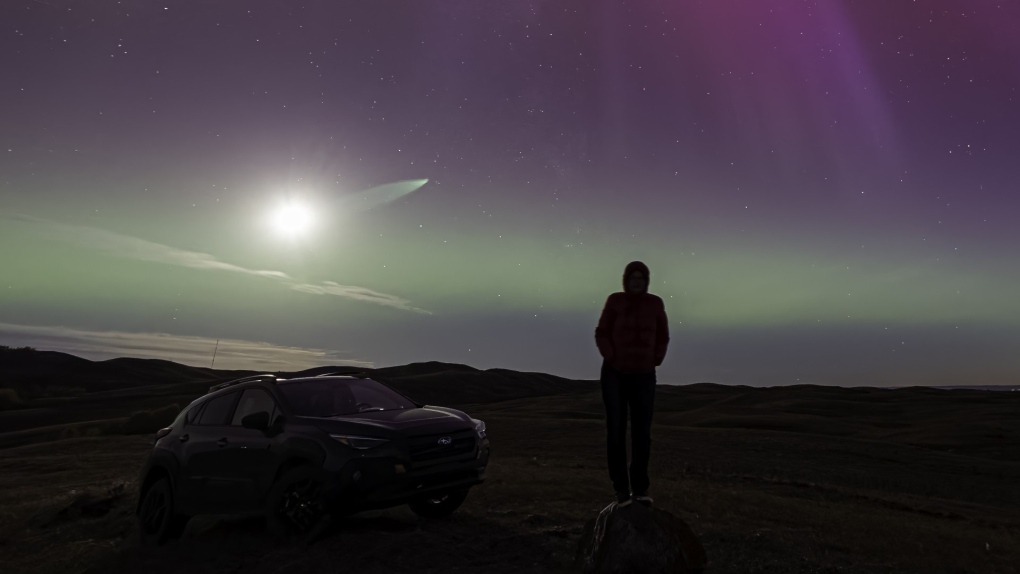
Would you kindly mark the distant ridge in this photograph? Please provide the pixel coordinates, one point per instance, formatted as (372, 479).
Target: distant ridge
(24, 368)
(967, 387)
(56, 393)
(27, 369)
(55, 390)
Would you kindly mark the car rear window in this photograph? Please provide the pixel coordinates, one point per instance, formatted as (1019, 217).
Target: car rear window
(189, 414)
(192, 414)
(216, 410)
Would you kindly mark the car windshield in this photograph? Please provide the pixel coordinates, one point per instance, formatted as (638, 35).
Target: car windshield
(337, 397)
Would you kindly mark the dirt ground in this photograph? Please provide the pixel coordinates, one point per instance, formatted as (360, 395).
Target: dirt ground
(761, 500)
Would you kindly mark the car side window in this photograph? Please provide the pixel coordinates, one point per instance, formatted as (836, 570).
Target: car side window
(217, 410)
(192, 414)
(253, 401)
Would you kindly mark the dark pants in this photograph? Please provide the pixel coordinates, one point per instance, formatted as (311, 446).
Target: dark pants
(622, 392)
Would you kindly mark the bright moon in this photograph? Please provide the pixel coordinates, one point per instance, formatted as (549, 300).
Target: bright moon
(292, 219)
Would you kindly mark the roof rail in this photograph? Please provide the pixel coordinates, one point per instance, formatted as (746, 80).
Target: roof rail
(220, 386)
(342, 371)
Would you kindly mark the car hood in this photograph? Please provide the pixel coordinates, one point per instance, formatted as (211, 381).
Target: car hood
(403, 421)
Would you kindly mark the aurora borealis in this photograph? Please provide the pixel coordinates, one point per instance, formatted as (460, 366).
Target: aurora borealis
(824, 191)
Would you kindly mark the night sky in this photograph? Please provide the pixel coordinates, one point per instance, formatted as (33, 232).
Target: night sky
(825, 191)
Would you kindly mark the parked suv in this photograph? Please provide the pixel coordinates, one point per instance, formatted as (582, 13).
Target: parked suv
(296, 449)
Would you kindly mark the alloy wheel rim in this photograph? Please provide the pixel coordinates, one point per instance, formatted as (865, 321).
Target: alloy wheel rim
(302, 504)
(153, 511)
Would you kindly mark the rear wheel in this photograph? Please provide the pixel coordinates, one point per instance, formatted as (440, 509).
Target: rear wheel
(296, 503)
(158, 520)
(439, 505)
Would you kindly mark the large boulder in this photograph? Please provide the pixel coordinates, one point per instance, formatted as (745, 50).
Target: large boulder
(637, 539)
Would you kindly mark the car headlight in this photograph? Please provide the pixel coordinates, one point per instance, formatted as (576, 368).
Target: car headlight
(359, 442)
(479, 428)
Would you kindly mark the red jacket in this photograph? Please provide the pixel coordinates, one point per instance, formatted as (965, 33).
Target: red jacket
(633, 333)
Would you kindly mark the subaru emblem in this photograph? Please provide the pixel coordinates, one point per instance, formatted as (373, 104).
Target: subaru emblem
(445, 441)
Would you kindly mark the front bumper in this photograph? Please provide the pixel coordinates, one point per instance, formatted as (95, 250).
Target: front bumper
(381, 482)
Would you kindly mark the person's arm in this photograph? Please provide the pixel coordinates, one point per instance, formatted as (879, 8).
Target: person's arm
(661, 335)
(604, 331)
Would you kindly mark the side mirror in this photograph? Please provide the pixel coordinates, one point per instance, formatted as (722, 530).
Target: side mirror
(258, 421)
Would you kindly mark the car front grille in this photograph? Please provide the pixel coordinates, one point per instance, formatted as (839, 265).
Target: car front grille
(428, 448)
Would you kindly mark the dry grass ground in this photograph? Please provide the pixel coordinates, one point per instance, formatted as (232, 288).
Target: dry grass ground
(881, 487)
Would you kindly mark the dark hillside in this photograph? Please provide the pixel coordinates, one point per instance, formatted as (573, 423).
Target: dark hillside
(60, 394)
(803, 479)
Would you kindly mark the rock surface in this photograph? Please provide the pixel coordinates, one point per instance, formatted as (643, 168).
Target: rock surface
(636, 539)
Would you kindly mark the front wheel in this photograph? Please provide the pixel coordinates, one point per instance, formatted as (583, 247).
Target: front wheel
(438, 505)
(158, 520)
(296, 502)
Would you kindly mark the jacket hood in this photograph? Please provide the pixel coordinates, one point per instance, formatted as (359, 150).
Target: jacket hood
(631, 268)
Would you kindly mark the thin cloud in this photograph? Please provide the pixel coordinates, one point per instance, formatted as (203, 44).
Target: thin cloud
(359, 293)
(143, 250)
(185, 349)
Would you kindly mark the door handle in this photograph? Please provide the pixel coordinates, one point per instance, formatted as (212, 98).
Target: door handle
(221, 443)
(183, 438)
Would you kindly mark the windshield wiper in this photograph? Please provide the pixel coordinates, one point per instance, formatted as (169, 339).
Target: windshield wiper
(343, 414)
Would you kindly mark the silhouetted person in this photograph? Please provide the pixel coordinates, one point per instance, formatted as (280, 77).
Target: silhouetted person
(632, 336)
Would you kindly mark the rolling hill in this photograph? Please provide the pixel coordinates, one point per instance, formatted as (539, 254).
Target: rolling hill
(799, 479)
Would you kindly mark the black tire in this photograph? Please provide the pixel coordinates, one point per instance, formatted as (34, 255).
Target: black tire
(439, 505)
(296, 503)
(158, 520)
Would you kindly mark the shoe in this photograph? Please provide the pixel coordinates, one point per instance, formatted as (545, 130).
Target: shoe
(644, 499)
(623, 499)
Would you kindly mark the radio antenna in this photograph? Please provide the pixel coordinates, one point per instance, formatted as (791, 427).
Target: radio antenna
(217, 348)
